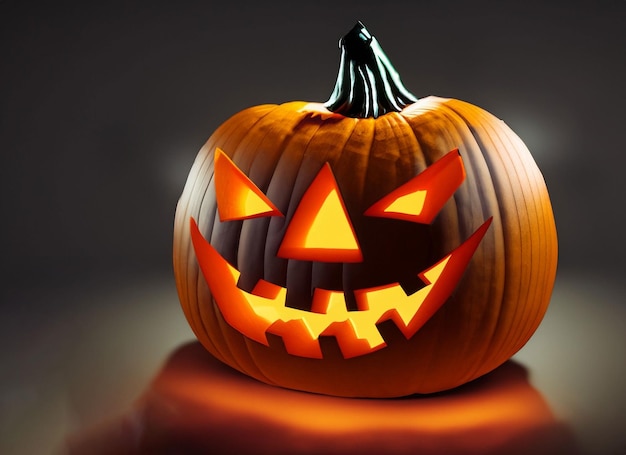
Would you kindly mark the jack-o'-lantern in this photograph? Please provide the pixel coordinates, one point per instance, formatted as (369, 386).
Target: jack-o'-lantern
(376, 245)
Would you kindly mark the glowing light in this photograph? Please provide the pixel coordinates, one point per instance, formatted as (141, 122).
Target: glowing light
(499, 413)
(420, 199)
(254, 314)
(320, 229)
(330, 227)
(238, 198)
(411, 204)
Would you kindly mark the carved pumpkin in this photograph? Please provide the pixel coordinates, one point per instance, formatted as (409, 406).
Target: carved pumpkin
(375, 245)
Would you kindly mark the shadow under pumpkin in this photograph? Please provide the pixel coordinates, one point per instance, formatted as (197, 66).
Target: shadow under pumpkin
(196, 404)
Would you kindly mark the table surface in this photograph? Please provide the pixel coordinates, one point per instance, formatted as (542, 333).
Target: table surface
(77, 359)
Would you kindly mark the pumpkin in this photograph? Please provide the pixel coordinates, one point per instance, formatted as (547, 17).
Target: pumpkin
(376, 245)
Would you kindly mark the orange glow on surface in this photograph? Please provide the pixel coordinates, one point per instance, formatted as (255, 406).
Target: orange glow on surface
(319, 413)
(421, 198)
(263, 310)
(320, 229)
(238, 198)
(198, 404)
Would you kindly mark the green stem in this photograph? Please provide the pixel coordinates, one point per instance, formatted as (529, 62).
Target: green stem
(367, 84)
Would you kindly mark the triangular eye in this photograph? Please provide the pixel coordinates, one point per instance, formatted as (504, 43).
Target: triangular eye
(320, 229)
(421, 198)
(238, 198)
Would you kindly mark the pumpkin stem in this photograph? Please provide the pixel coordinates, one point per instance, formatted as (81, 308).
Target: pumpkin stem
(367, 85)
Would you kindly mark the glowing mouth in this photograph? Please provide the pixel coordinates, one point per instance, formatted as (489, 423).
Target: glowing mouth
(263, 310)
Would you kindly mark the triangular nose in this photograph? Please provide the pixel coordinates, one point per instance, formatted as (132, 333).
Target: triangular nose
(320, 229)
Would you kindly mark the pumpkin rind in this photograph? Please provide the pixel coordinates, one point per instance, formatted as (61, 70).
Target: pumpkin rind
(494, 310)
(375, 138)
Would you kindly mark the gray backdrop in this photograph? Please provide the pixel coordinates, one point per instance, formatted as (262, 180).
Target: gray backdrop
(103, 108)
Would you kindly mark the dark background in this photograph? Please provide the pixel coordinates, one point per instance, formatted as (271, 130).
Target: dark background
(103, 107)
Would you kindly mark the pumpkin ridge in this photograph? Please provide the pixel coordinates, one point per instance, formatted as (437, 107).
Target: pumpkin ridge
(489, 358)
(201, 168)
(291, 116)
(525, 293)
(416, 166)
(367, 129)
(251, 144)
(433, 117)
(539, 252)
(261, 373)
(266, 141)
(318, 273)
(317, 152)
(289, 140)
(223, 347)
(271, 248)
(476, 183)
(215, 318)
(219, 140)
(239, 346)
(478, 149)
(547, 248)
(430, 354)
(505, 335)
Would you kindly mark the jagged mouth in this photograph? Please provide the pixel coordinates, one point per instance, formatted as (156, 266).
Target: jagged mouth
(264, 310)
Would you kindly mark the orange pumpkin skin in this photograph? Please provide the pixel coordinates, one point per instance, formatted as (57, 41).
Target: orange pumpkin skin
(303, 228)
(493, 311)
